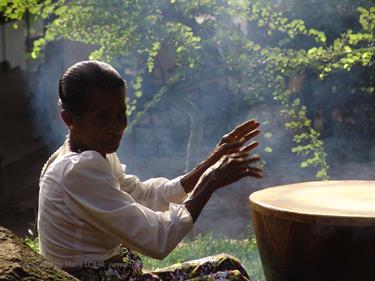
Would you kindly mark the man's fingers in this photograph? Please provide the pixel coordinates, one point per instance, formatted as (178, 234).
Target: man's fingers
(250, 172)
(253, 172)
(241, 155)
(243, 129)
(249, 136)
(244, 156)
(249, 147)
(255, 175)
(236, 147)
(253, 159)
(245, 166)
(230, 147)
(238, 168)
(254, 169)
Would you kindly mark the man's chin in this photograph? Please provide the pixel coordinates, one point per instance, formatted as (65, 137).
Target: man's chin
(112, 148)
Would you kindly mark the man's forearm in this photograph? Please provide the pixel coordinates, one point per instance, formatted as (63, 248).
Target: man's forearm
(199, 196)
(190, 179)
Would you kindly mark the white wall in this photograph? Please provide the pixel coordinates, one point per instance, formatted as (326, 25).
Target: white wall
(15, 48)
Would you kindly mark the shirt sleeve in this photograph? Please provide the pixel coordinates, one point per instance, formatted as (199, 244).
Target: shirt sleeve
(92, 192)
(155, 193)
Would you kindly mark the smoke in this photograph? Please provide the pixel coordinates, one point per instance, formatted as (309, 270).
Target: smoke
(157, 146)
(43, 89)
(44, 97)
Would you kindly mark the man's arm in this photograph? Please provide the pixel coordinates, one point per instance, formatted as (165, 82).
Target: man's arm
(230, 143)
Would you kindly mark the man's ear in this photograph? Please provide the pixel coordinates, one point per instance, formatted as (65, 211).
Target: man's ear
(67, 118)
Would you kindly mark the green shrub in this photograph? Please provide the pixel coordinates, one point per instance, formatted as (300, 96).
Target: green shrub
(32, 243)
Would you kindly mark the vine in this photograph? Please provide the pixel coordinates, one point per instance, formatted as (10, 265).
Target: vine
(202, 34)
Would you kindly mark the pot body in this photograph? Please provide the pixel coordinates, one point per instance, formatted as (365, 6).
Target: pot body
(316, 231)
(298, 251)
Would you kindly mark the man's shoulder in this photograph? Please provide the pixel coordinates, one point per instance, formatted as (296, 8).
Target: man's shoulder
(74, 160)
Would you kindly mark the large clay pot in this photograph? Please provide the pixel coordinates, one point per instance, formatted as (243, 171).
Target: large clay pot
(316, 231)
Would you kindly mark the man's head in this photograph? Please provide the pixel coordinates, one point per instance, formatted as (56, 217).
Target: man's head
(92, 97)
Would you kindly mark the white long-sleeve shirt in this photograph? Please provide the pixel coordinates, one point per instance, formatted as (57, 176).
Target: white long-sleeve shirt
(88, 206)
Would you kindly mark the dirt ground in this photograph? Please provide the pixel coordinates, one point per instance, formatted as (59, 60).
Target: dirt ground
(19, 262)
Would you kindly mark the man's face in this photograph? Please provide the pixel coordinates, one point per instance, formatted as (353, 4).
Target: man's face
(101, 125)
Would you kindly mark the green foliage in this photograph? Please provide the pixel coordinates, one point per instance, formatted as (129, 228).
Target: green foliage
(306, 138)
(31, 240)
(32, 243)
(205, 245)
(15, 9)
(268, 149)
(203, 39)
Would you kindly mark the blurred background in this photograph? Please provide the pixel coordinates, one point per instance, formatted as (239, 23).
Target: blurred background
(194, 70)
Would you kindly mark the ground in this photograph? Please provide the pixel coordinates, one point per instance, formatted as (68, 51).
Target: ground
(19, 262)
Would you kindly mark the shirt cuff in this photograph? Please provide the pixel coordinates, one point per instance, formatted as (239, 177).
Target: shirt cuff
(182, 215)
(178, 190)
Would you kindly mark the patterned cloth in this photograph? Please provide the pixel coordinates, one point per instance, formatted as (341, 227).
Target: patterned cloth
(218, 267)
